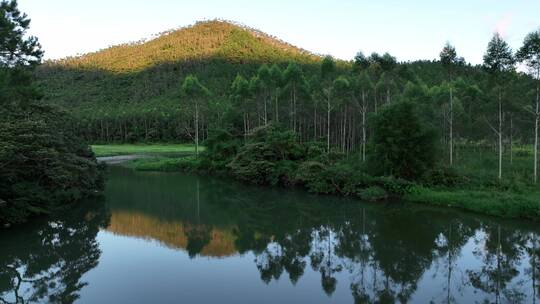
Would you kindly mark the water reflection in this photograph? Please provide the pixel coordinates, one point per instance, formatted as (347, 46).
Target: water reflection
(44, 261)
(389, 253)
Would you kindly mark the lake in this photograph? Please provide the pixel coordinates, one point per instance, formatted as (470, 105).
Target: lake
(171, 238)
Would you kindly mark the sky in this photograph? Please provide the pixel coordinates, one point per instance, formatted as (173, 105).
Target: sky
(407, 29)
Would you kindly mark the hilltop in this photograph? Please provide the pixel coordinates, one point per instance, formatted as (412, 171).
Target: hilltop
(214, 39)
(145, 76)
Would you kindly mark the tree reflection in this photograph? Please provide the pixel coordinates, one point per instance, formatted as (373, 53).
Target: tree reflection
(45, 262)
(383, 254)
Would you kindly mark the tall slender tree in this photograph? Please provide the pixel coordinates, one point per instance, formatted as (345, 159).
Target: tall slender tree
(449, 59)
(498, 61)
(240, 94)
(362, 86)
(263, 74)
(328, 68)
(276, 81)
(529, 54)
(196, 93)
(294, 79)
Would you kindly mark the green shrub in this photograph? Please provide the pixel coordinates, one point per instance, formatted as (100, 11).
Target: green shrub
(373, 193)
(443, 176)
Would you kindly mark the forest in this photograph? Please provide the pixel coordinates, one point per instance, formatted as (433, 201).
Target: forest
(272, 113)
(43, 165)
(441, 124)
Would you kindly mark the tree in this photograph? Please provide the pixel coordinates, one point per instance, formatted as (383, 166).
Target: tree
(193, 90)
(294, 78)
(239, 95)
(362, 85)
(43, 164)
(361, 62)
(498, 61)
(263, 74)
(16, 47)
(328, 68)
(276, 80)
(449, 59)
(529, 54)
(403, 145)
(342, 94)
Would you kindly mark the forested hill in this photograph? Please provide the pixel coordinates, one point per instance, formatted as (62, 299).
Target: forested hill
(132, 92)
(202, 41)
(145, 77)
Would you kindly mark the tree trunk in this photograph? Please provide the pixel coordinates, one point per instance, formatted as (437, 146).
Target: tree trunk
(315, 123)
(451, 128)
(536, 118)
(511, 139)
(500, 135)
(265, 112)
(363, 127)
(328, 124)
(196, 129)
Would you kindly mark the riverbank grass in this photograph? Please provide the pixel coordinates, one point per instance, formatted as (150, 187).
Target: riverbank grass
(127, 149)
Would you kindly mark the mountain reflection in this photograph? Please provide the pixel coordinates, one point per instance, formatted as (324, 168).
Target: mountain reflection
(380, 253)
(385, 251)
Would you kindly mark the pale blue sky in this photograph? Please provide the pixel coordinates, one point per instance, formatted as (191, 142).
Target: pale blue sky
(407, 29)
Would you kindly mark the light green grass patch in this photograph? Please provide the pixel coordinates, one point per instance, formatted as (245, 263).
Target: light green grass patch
(127, 149)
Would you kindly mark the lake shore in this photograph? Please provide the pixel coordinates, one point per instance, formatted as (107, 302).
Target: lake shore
(506, 204)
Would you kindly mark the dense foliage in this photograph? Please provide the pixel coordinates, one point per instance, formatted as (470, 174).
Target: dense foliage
(402, 144)
(262, 80)
(43, 165)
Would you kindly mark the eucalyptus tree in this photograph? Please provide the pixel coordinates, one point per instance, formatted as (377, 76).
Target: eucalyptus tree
(294, 78)
(449, 59)
(361, 87)
(328, 69)
(529, 54)
(360, 63)
(314, 88)
(276, 83)
(196, 93)
(240, 94)
(342, 94)
(263, 74)
(498, 61)
(257, 90)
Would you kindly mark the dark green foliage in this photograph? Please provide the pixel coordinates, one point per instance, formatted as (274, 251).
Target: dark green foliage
(42, 169)
(43, 165)
(443, 176)
(16, 47)
(403, 145)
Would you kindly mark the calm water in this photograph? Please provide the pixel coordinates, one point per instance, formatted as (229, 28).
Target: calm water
(171, 238)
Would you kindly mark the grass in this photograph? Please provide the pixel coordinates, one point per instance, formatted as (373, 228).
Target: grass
(162, 164)
(127, 149)
(497, 203)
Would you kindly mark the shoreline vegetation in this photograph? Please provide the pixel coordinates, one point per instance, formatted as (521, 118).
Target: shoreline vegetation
(444, 132)
(469, 189)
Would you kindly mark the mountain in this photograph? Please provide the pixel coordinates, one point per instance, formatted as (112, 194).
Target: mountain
(205, 40)
(146, 75)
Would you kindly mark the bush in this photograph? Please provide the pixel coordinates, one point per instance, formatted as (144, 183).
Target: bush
(373, 193)
(443, 176)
